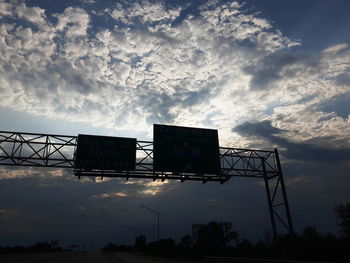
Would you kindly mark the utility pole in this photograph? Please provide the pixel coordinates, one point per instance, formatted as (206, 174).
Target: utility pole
(154, 212)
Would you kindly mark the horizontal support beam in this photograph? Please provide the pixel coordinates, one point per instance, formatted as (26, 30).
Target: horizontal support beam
(54, 150)
(155, 176)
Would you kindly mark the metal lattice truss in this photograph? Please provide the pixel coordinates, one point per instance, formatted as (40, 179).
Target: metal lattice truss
(48, 150)
(40, 150)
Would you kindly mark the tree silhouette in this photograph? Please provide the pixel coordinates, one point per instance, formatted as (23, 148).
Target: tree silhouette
(310, 233)
(186, 241)
(140, 242)
(214, 236)
(343, 214)
(163, 247)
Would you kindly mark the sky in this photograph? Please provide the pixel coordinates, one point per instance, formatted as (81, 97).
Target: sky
(265, 74)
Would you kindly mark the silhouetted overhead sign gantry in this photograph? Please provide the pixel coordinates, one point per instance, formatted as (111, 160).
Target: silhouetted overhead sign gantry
(177, 153)
(60, 151)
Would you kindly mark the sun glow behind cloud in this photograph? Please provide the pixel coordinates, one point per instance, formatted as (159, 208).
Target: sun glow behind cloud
(186, 74)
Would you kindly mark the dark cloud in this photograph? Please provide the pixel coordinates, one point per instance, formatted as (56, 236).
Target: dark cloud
(338, 104)
(306, 99)
(343, 79)
(74, 79)
(262, 129)
(279, 66)
(159, 106)
(305, 151)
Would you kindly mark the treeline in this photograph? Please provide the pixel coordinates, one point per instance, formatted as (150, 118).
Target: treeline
(38, 247)
(217, 239)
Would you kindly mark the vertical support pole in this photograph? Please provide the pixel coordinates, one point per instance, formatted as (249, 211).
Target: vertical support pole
(269, 201)
(284, 193)
(13, 150)
(158, 225)
(46, 151)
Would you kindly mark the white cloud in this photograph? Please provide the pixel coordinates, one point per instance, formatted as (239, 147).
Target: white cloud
(336, 48)
(5, 9)
(18, 173)
(156, 183)
(151, 192)
(88, 1)
(35, 15)
(74, 22)
(194, 73)
(109, 195)
(145, 11)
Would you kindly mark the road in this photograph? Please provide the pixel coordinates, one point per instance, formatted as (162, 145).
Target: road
(124, 257)
(85, 257)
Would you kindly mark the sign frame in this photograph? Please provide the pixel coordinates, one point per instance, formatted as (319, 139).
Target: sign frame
(180, 149)
(95, 152)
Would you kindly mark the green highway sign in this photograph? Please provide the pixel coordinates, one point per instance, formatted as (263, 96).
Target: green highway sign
(105, 153)
(184, 149)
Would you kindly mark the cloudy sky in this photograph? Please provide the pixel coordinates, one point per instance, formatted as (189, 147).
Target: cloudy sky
(266, 74)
